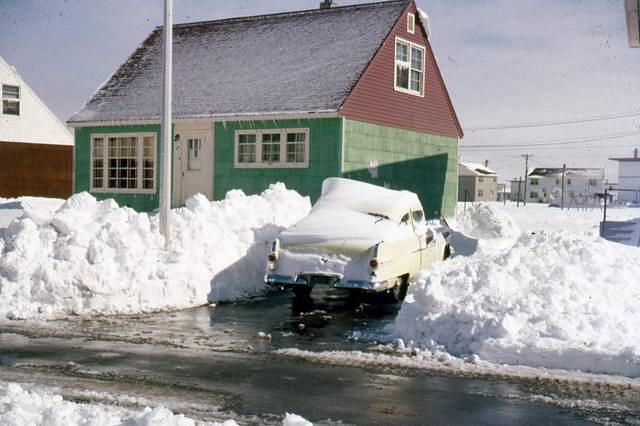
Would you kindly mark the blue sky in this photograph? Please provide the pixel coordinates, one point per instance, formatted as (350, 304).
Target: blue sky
(504, 62)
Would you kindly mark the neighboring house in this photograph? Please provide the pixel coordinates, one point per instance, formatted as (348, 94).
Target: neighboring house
(628, 178)
(477, 182)
(36, 149)
(632, 8)
(545, 185)
(504, 192)
(295, 97)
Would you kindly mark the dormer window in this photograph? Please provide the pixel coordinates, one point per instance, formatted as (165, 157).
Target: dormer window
(10, 99)
(409, 72)
(411, 23)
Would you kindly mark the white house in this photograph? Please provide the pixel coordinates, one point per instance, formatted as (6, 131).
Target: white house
(629, 178)
(36, 149)
(544, 185)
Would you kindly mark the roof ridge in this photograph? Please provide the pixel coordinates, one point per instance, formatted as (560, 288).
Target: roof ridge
(290, 13)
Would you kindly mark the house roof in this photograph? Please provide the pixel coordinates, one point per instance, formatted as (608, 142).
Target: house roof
(297, 62)
(479, 169)
(541, 172)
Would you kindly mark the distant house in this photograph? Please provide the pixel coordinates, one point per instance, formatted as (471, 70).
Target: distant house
(629, 178)
(295, 97)
(477, 182)
(632, 9)
(36, 149)
(544, 185)
(504, 192)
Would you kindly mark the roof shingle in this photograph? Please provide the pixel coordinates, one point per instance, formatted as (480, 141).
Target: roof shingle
(294, 62)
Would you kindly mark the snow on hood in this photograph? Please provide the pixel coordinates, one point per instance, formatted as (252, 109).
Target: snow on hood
(95, 257)
(352, 211)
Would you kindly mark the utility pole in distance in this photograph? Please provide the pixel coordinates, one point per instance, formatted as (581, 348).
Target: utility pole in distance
(564, 172)
(526, 175)
(165, 182)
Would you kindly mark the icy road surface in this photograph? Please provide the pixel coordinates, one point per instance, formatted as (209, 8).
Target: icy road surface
(231, 361)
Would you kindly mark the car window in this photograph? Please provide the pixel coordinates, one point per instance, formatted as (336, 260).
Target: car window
(405, 221)
(418, 217)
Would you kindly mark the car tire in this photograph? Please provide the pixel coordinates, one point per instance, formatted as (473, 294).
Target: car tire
(399, 292)
(447, 252)
(302, 290)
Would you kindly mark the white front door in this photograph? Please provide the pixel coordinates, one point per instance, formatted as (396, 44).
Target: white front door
(193, 164)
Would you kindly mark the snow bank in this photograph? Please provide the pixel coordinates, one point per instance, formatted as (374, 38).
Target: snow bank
(19, 407)
(551, 299)
(484, 221)
(94, 257)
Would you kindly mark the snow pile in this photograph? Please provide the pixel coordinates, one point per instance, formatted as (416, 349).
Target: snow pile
(19, 407)
(552, 299)
(94, 257)
(484, 221)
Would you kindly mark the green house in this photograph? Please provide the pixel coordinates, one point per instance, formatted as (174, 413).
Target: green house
(294, 97)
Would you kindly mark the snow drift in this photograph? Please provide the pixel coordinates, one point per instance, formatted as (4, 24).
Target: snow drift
(19, 406)
(550, 299)
(94, 257)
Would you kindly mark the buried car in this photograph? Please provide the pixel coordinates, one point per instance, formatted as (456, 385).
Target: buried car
(357, 236)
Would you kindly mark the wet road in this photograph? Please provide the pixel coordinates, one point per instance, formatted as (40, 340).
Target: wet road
(211, 363)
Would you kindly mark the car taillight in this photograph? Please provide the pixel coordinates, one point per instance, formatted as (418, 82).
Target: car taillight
(373, 263)
(272, 257)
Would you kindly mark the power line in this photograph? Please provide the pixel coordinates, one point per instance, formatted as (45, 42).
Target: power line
(552, 142)
(555, 123)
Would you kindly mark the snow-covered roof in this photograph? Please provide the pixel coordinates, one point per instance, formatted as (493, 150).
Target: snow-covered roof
(297, 62)
(541, 172)
(479, 169)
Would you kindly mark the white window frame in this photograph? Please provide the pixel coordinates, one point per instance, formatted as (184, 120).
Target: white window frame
(139, 163)
(395, 67)
(282, 164)
(11, 100)
(411, 23)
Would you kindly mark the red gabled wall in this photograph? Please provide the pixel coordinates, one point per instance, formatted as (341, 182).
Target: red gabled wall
(374, 100)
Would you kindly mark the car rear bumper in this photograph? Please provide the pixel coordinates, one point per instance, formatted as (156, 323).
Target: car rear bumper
(312, 279)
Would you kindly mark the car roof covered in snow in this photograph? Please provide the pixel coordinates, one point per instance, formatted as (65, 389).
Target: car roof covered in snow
(296, 62)
(347, 194)
(350, 210)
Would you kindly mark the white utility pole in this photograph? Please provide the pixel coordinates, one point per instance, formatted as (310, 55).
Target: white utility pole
(165, 156)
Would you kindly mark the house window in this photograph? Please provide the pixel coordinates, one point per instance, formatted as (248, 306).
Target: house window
(534, 182)
(246, 149)
(271, 148)
(568, 181)
(278, 148)
(480, 193)
(123, 163)
(533, 194)
(593, 182)
(194, 148)
(411, 23)
(480, 179)
(409, 73)
(10, 99)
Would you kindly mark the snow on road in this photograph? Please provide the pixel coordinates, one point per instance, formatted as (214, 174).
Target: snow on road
(552, 295)
(94, 257)
(29, 405)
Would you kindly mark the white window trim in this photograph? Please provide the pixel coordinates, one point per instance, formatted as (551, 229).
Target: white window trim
(411, 23)
(282, 164)
(395, 68)
(140, 161)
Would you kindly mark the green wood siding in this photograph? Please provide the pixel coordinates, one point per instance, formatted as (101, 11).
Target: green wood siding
(325, 156)
(82, 164)
(402, 159)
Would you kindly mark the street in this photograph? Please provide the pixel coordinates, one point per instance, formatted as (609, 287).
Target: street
(217, 362)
